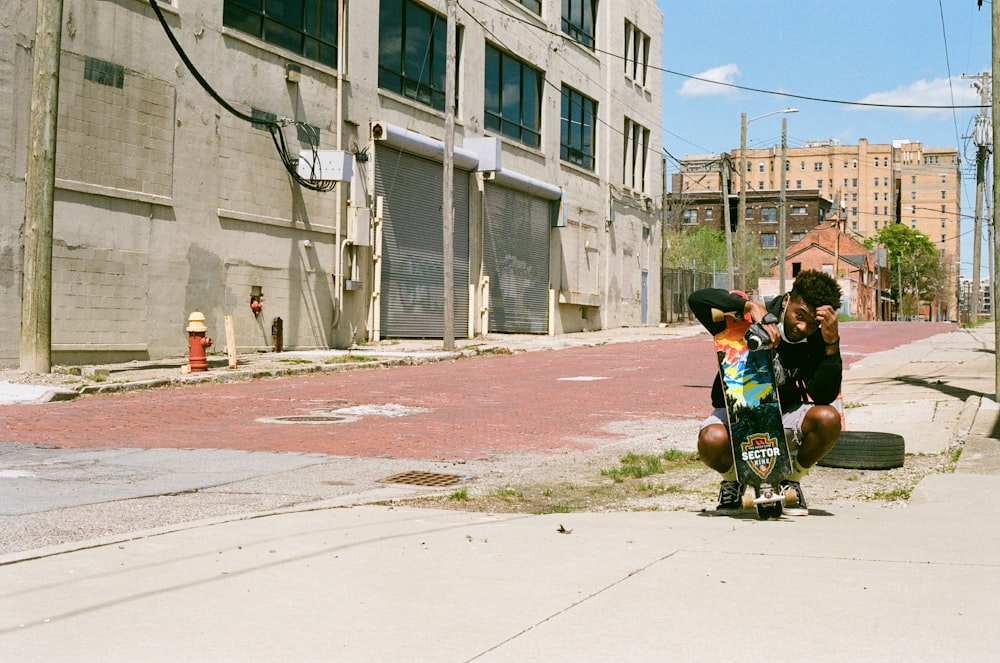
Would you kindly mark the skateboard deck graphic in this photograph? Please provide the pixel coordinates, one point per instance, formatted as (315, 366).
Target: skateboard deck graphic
(760, 453)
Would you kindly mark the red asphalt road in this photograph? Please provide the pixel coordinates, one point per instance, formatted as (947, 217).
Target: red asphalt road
(474, 407)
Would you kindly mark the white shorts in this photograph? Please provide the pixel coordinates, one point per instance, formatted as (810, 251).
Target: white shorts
(791, 420)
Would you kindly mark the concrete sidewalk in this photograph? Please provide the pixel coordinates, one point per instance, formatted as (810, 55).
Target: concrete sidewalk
(374, 583)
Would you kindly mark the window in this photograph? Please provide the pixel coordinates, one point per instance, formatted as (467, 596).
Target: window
(769, 215)
(854, 164)
(533, 5)
(854, 182)
(798, 184)
(689, 217)
(636, 53)
(876, 162)
(817, 165)
(305, 27)
(913, 179)
(513, 96)
(819, 184)
(635, 153)
(411, 60)
(709, 214)
(579, 115)
(760, 167)
(944, 179)
(913, 195)
(768, 240)
(748, 214)
(799, 209)
(578, 20)
(944, 195)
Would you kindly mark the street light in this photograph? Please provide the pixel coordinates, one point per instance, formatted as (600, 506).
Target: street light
(741, 210)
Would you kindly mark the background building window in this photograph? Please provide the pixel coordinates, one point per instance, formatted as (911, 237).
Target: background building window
(513, 97)
(635, 152)
(689, 217)
(578, 20)
(305, 27)
(769, 215)
(636, 53)
(411, 61)
(533, 5)
(768, 240)
(579, 114)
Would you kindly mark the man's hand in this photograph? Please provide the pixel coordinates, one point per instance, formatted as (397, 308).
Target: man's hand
(757, 313)
(826, 316)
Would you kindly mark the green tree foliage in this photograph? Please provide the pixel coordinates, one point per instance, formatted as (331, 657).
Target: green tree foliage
(914, 262)
(704, 249)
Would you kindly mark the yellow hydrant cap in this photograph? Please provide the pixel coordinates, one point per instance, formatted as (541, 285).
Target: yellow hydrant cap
(196, 322)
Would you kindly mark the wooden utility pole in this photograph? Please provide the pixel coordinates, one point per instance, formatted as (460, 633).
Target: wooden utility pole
(39, 192)
(996, 190)
(448, 181)
(782, 211)
(727, 222)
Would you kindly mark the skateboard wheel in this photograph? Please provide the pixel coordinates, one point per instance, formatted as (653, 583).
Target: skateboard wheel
(791, 497)
(747, 500)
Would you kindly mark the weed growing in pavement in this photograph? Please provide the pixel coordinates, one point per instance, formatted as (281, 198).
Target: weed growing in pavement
(348, 359)
(462, 494)
(294, 360)
(639, 466)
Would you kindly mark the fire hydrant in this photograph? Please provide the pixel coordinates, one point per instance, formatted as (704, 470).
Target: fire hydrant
(197, 341)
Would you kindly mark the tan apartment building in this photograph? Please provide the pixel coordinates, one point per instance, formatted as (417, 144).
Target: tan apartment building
(874, 184)
(168, 202)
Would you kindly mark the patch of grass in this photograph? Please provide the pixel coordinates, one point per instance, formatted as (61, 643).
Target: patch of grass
(851, 404)
(639, 466)
(295, 360)
(460, 495)
(548, 492)
(900, 494)
(507, 493)
(348, 359)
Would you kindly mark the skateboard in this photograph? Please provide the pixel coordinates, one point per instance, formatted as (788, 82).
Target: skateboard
(760, 452)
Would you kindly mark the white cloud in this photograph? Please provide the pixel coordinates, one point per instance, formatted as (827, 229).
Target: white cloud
(938, 92)
(705, 87)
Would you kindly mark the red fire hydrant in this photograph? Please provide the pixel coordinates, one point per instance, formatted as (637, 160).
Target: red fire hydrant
(197, 341)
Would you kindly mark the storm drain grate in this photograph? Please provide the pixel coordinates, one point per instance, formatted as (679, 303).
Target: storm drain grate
(417, 478)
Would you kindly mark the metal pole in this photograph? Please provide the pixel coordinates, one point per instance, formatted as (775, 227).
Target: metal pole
(741, 210)
(39, 192)
(448, 183)
(781, 209)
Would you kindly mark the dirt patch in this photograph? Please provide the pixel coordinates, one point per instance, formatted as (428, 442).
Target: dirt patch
(682, 485)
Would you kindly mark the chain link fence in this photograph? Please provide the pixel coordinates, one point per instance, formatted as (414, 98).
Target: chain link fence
(678, 284)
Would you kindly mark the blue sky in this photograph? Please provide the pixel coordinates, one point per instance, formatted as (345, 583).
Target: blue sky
(909, 52)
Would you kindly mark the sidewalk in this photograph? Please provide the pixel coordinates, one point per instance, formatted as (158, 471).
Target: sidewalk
(374, 583)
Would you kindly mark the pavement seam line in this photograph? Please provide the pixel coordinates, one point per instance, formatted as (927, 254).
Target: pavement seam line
(578, 602)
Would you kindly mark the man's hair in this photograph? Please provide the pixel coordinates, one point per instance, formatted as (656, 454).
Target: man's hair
(816, 289)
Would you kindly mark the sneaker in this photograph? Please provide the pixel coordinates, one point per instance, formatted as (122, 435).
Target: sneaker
(799, 509)
(730, 496)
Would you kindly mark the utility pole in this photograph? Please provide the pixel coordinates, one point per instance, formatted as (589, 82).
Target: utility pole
(448, 182)
(996, 188)
(981, 137)
(782, 222)
(39, 192)
(727, 221)
(741, 209)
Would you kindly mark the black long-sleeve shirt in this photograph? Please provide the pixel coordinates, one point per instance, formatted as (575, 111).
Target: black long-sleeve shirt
(802, 371)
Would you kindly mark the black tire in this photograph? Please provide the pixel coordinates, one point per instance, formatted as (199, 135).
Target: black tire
(866, 450)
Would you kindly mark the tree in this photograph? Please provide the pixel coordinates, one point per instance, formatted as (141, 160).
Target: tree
(701, 248)
(704, 249)
(917, 273)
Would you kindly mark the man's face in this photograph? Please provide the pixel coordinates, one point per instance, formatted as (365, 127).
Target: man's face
(800, 319)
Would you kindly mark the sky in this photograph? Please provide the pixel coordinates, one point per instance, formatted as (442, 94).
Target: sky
(898, 52)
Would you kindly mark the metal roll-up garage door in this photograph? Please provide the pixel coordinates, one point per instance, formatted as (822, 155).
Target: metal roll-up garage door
(516, 258)
(412, 291)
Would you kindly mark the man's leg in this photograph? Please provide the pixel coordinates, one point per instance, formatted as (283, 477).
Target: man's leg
(716, 452)
(820, 430)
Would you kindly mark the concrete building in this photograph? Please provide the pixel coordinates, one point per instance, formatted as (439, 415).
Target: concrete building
(167, 202)
(871, 184)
